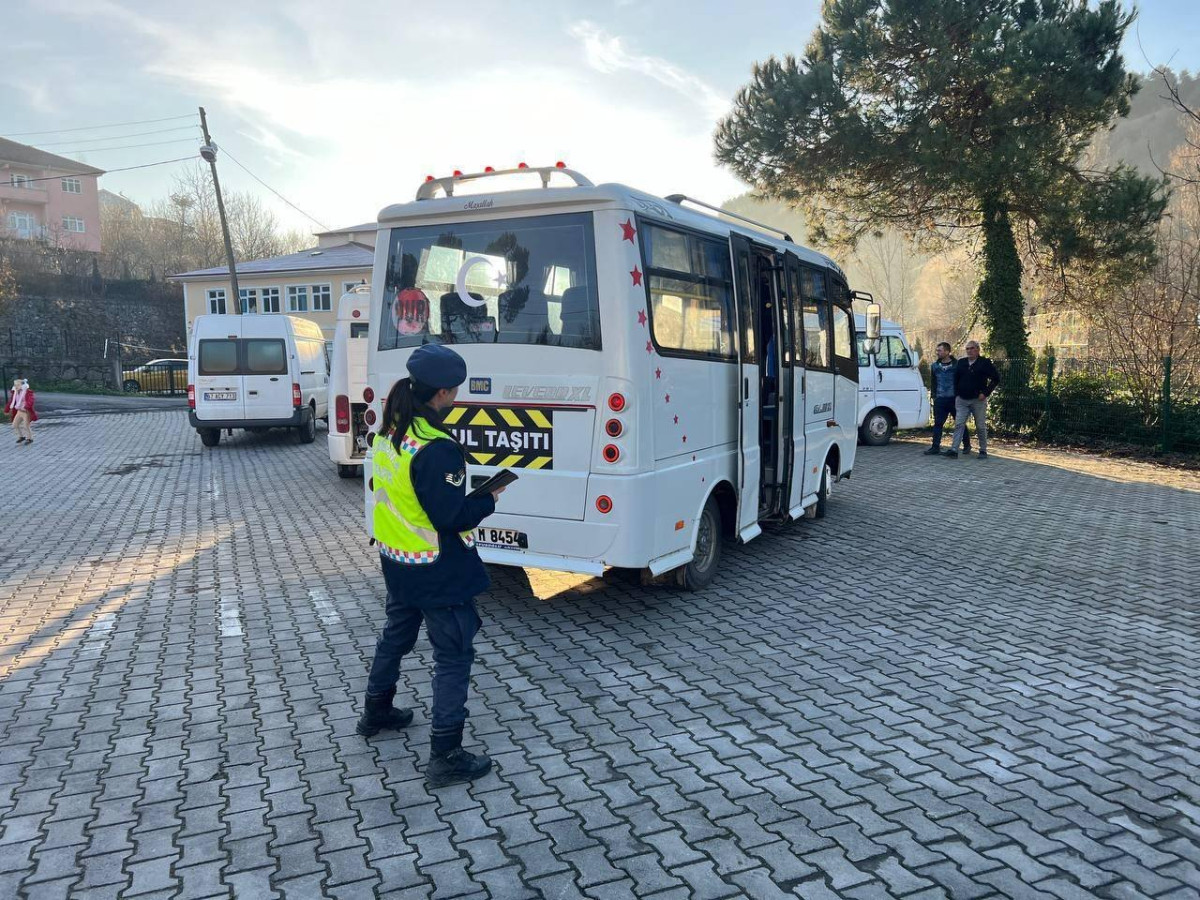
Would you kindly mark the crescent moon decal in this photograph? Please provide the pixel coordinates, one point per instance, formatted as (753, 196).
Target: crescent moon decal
(460, 283)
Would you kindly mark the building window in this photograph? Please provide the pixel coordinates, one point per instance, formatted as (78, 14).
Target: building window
(216, 301)
(247, 299)
(23, 224)
(72, 223)
(297, 298)
(21, 181)
(72, 186)
(322, 302)
(269, 302)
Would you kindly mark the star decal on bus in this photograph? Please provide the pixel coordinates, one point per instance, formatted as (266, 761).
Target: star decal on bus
(636, 274)
(658, 373)
(668, 398)
(641, 317)
(649, 347)
(627, 230)
(677, 420)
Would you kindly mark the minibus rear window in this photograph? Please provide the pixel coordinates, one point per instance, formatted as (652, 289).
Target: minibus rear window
(218, 357)
(508, 281)
(265, 356)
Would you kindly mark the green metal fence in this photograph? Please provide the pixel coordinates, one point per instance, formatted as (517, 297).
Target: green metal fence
(1150, 403)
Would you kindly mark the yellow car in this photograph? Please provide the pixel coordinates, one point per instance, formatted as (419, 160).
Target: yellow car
(159, 376)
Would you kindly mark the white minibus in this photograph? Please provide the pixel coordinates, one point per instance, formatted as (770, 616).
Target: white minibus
(348, 381)
(658, 377)
(891, 392)
(256, 372)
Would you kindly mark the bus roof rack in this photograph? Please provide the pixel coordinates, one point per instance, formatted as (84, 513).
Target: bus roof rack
(432, 185)
(681, 198)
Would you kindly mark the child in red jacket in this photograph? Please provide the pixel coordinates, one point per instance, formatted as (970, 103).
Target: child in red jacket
(20, 407)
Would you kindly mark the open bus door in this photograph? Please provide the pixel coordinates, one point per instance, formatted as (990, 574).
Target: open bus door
(791, 380)
(749, 453)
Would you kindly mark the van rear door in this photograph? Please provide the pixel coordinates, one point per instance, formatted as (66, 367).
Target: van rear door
(266, 367)
(219, 389)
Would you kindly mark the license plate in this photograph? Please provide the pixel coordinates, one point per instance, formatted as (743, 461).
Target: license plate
(501, 538)
(219, 395)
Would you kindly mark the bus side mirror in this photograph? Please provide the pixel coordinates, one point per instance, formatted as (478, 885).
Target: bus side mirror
(874, 327)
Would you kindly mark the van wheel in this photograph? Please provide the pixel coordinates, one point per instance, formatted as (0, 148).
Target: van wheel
(349, 471)
(700, 571)
(210, 437)
(823, 493)
(307, 431)
(876, 428)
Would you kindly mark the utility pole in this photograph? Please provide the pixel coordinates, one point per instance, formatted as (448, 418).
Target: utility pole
(209, 152)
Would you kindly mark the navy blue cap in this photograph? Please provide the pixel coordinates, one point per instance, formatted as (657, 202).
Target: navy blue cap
(437, 366)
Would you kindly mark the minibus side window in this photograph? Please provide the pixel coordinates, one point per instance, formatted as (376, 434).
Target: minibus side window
(817, 353)
(690, 289)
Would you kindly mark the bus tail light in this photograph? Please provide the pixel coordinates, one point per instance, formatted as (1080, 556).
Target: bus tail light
(297, 398)
(342, 413)
(616, 402)
(604, 504)
(613, 428)
(191, 396)
(611, 453)
(370, 417)
(368, 394)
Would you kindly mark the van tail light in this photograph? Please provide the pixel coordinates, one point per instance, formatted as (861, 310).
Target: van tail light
(191, 396)
(611, 453)
(297, 399)
(604, 504)
(613, 428)
(616, 402)
(342, 413)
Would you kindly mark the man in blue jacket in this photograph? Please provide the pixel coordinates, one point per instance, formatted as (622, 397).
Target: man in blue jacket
(941, 390)
(974, 380)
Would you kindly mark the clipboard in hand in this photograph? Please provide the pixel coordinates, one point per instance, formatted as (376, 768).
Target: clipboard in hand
(501, 479)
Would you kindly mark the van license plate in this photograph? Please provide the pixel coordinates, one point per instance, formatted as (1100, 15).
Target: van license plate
(219, 395)
(501, 539)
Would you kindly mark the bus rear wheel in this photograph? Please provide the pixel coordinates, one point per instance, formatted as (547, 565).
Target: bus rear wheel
(700, 571)
(349, 471)
(822, 506)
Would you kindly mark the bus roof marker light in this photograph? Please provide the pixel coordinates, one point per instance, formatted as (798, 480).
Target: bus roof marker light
(522, 166)
(560, 165)
(488, 169)
(429, 178)
(458, 173)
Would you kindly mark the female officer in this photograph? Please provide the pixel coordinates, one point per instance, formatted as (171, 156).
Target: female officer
(424, 523)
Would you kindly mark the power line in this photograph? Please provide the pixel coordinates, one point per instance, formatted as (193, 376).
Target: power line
(272, 190)
(97, 127)
(119, 137)
(111, 171)
(131, 146)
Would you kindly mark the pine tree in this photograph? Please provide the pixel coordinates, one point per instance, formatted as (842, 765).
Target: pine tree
(942, 117)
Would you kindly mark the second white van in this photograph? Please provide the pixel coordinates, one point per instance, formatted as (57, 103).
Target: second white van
(256, 372)
(348, 399)
(891, 392)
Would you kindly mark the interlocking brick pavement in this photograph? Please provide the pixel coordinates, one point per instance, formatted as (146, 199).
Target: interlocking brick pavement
(870, 706)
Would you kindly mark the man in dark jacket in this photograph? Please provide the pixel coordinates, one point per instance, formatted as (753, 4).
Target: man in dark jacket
(941, 391)
(974, 380)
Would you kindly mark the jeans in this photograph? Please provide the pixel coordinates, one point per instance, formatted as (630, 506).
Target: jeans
(944, 407)
(976, 408)
(451, 631)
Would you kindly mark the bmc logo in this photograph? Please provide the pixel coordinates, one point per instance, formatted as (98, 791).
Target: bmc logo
(480, 386)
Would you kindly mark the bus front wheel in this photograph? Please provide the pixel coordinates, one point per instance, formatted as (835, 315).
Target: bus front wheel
(700, 571)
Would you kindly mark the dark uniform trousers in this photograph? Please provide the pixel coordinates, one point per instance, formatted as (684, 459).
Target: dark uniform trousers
(451, 630)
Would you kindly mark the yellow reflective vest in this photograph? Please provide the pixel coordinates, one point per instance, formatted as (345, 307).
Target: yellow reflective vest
(402, 527)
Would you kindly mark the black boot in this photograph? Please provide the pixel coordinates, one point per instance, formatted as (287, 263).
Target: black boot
(380, 714)
(449, 763)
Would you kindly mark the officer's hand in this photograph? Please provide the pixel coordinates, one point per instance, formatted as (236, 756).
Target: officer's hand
(497, 492)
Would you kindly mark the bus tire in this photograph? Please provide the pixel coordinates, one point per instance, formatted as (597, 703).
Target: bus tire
(822, 506)
(700, 571)
(209, 437)
(876, 429)
(349, 471)
(307, 430)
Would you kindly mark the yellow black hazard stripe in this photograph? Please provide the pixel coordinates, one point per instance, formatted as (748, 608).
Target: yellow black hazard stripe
(509, 437)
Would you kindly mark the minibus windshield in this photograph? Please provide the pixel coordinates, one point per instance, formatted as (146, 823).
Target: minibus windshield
(508, 281)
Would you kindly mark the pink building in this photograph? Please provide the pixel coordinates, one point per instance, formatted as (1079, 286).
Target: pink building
(48, 197)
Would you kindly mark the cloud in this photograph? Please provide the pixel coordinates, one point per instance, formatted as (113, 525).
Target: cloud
(605, 53)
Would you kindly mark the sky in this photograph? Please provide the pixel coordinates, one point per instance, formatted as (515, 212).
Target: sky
(343, 113)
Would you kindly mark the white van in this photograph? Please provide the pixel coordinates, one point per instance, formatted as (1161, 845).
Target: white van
(256, 372)
(891, 392)
(348, 397)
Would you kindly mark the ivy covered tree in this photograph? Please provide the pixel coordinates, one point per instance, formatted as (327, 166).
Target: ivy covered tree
(941, 116)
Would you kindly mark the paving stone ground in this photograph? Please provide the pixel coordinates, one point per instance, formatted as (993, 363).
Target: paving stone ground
(974, 679)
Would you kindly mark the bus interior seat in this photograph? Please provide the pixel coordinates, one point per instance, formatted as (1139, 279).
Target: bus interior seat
(528, 324)
(466, 324)
(576, 315)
